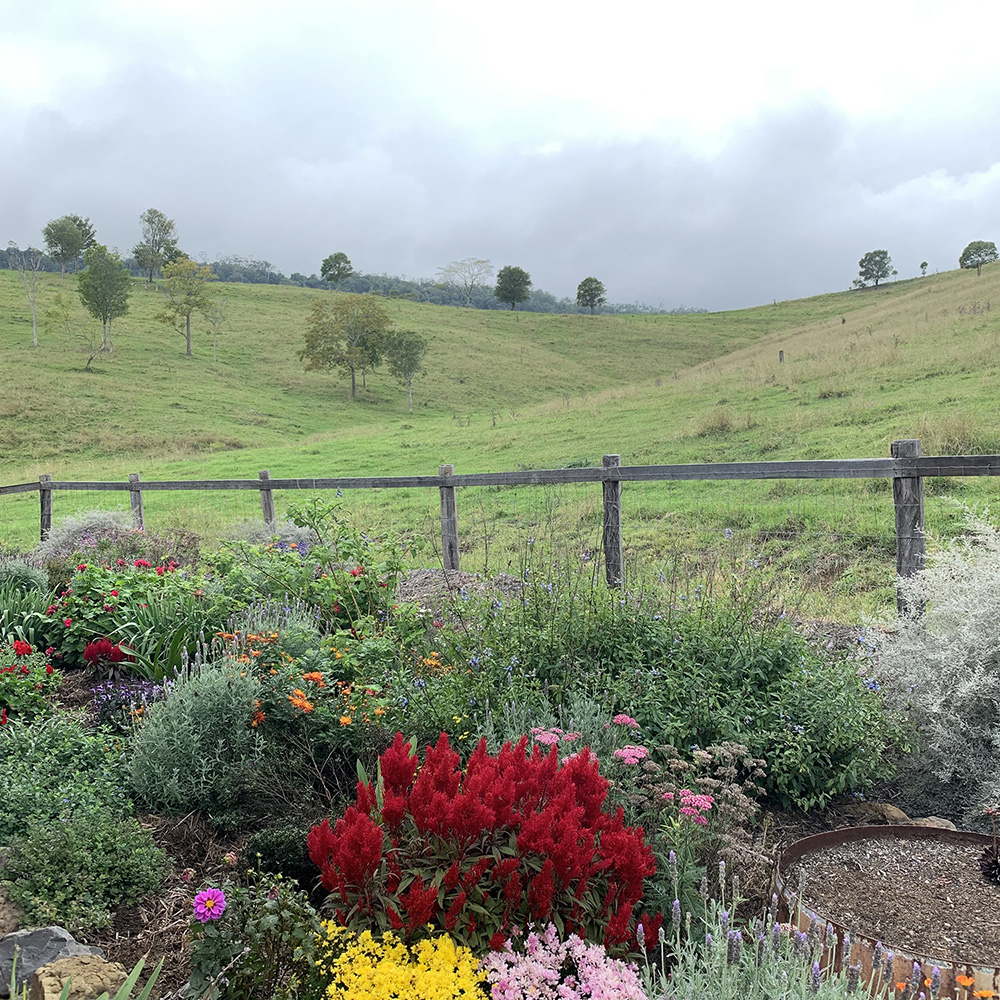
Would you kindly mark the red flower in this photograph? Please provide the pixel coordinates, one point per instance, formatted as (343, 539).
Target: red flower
(357, 571)
(81, 567)
(114, 593)
(142, 563)
(67, 622)
(22, 648)
(3, 717)
(48, 668)
(159, 571)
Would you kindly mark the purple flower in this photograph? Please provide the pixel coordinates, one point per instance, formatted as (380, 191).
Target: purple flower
(209, 904)
(675, 913)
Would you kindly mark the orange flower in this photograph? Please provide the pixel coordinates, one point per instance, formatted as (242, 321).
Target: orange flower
(315, 677)
(380, 710)
(901, 987)
(345, 720)
(965, 980)
(983, 994)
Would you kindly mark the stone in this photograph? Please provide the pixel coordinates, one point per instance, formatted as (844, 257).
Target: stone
(935, 821)
(875, 812)
(37, 947)
(11, 916)
(92, 976)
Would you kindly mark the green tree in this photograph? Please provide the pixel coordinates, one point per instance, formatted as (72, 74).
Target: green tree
(977, 253)
(336, 268)
(467, 274)
(404, 352)
(69, 318)
(186, 287)
(87, 231)
(347, 333)
(28, 263)
(63, 240)
(591, 293)
(158, 244)
(923, 268)
(104, 286)
(513, 285)
(874, 266)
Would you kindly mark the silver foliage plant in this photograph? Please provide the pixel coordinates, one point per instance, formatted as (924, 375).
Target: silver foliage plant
(943, 666)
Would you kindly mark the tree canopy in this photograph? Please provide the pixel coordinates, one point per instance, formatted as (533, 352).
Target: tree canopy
(87, 230)
(977, 253)
(404, 352)
(874, 267)
(590, 294)
(467, 274)
(336, 268)
(63, 240)
(104, 286)
(347, 333)
(158, 244)
(186, 288)
(513, 285)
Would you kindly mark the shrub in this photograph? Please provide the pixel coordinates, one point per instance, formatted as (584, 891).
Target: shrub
(282, 849)
(19, 575)
(944, 668)
(27, 682)
(512, 838)
(194, 749)
(431, 969)
(55, 767)
(261, 946)
(73, 871)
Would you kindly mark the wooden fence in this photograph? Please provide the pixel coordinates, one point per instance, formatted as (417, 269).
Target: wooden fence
(906, 467)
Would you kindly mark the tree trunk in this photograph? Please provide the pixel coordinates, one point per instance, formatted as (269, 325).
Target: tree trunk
(34, 324)
(189, 334)
(354, 383)
(111, 343)
(409, 389)
(104, 334)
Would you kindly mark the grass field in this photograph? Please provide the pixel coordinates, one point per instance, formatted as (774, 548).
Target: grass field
(508, 390)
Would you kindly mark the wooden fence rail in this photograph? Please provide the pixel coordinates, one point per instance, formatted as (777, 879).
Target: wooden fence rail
(906, 467)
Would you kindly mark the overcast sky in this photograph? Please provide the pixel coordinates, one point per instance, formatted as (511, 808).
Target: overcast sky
(718, 155)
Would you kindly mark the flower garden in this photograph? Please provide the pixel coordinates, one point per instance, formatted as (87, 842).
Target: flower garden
(263, 767)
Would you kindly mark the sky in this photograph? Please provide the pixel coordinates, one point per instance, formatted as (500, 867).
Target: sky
(714, 155)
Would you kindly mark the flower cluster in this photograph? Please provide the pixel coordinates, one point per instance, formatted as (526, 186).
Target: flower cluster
(692, 804)
(362, 967)
(550, 969)
(119, 704)
(512, 838)
(26, 680)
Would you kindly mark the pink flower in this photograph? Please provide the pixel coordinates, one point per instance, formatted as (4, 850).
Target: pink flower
(67, 622)
(209, 904)
(625, 720)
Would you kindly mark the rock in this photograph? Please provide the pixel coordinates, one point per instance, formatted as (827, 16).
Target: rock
(11, 916)
(878, 812)
(92, 976)
(37, 947)
(935, 821)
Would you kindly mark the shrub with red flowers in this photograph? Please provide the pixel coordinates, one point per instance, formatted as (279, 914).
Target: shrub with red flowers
(26, 681)
(105, 656)
(510, 839)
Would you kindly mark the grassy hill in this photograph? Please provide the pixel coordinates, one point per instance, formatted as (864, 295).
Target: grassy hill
(510, 390)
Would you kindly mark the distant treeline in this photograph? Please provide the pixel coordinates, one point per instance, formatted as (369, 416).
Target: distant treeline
(262, 272)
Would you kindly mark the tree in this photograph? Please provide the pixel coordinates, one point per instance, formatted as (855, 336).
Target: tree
(186, 287)
(347, 333)
(28, 263)
(977, 253)
(61, 313)
(158, 243)
(874, 266)
(467, 274)
(104, 286)
(336, 268)
(404, 352)
(591, 293)
(63, 240)
(216, 315)
(513, 285)
(87, 231)
(923, 268)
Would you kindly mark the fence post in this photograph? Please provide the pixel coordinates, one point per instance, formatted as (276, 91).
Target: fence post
(908, 499)
(612, 488)
(449, 521)
(266, 496)
(45, 503)
(135, 492)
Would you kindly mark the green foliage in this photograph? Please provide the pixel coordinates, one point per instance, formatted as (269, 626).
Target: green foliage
(404, 352)
(513, 285)
(63, 240)
(27, 682)
(196, 748)
(159, 241)
(261, 947)
(875, 266)
(590, 294)
(186, 288)
(54, 767)
(104, 285)
(19, 576)
(123, 993)
(282, 850)
(977, 253)
(22, 615)
(74, 870)
(336, 268)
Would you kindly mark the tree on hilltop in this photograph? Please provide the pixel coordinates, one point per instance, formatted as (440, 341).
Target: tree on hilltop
(977, 253)
(158, 244)
(404, 352)
(513, 285)
(467, 274)
(348, 333)
(875, 266)
(63, 240)
(591, 293)
(336, 268)
(186, 288)
(104, 286)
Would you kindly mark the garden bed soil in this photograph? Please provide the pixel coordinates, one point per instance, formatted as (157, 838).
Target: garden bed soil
(925, 897)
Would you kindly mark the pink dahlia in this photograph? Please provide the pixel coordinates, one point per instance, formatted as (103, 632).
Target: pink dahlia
(209, 904)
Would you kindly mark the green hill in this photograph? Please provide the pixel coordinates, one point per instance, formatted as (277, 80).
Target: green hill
(515, 390)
